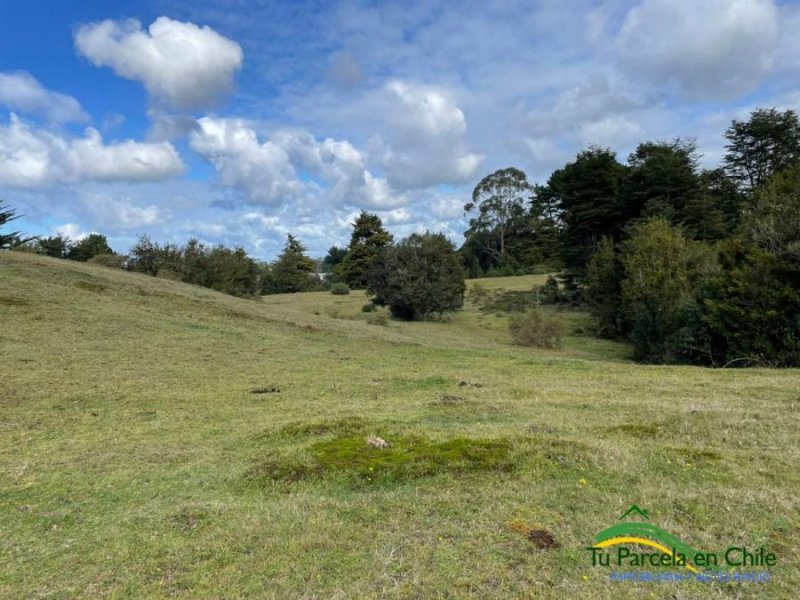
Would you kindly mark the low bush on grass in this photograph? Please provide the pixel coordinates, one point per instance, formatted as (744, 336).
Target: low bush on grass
(534, 329)
(340, 289)
(378, 319)
(550, 292)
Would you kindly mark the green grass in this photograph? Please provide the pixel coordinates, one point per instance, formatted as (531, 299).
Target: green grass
(136, 460)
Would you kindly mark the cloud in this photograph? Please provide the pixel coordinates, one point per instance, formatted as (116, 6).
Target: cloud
(31, 158)
(70, 231)
(291, 168)
(427, 139)
(21, 92)
(121, 214)
(182, 65)
(261, 170)
(708, 49)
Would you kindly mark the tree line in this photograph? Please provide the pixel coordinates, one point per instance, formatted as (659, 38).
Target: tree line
(419, 277)
(691, 265)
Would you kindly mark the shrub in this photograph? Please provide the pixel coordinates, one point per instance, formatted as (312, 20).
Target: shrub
(550, 293)
(533, 329)
(510, 301)
(368, 307)
(378, 319)
(340, 289)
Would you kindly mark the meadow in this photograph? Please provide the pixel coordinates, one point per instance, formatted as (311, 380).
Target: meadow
(164, 440)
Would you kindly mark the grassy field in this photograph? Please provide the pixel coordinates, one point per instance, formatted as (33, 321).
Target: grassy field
(162, 440)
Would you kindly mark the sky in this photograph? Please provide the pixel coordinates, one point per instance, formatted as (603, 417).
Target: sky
(237, 122)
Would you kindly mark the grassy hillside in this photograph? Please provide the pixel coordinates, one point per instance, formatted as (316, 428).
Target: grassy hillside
(159, 439)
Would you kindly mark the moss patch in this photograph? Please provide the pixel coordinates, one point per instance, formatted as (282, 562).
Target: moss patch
(409, 457)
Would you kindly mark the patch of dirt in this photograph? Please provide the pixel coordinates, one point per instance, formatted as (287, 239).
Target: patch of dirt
(541, 538)
(266, 390)
(450, 400)
(188, 519)
(469, 384)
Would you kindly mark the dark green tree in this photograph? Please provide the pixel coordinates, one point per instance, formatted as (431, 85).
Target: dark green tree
(149, 257)
(766, 143)
(293, 271)
(662, 270)
(752, 308)
(715, 212)
(231, 272)
(366, 242)
(89, 247)
(604, 290)
(498, 202)
(418, 278)
(56, 246)
(587, 192)
(661, 181)
(333, 259)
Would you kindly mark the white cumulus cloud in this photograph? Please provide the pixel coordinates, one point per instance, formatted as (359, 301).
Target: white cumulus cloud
(427, 145)
(180, 64)
(261, 170)
(31, 158)
(290, 166)
(21, 92)
(713, 48)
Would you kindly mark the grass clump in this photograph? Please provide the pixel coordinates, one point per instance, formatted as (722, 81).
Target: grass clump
(368, 307)
(378, 319)
(407, 458)
(340, 289)
(534, 329)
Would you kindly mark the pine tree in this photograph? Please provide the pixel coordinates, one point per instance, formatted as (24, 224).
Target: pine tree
(9, 240)
(293, 271)
(369, 237)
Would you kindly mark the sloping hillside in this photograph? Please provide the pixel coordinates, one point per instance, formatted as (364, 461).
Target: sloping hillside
(162, 439)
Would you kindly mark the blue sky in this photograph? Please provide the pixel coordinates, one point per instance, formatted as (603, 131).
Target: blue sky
(240, 121)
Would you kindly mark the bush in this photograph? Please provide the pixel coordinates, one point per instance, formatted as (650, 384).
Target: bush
(533, 329)
(368, 307)
(340, 289)
(378, 319)
(550, 293)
